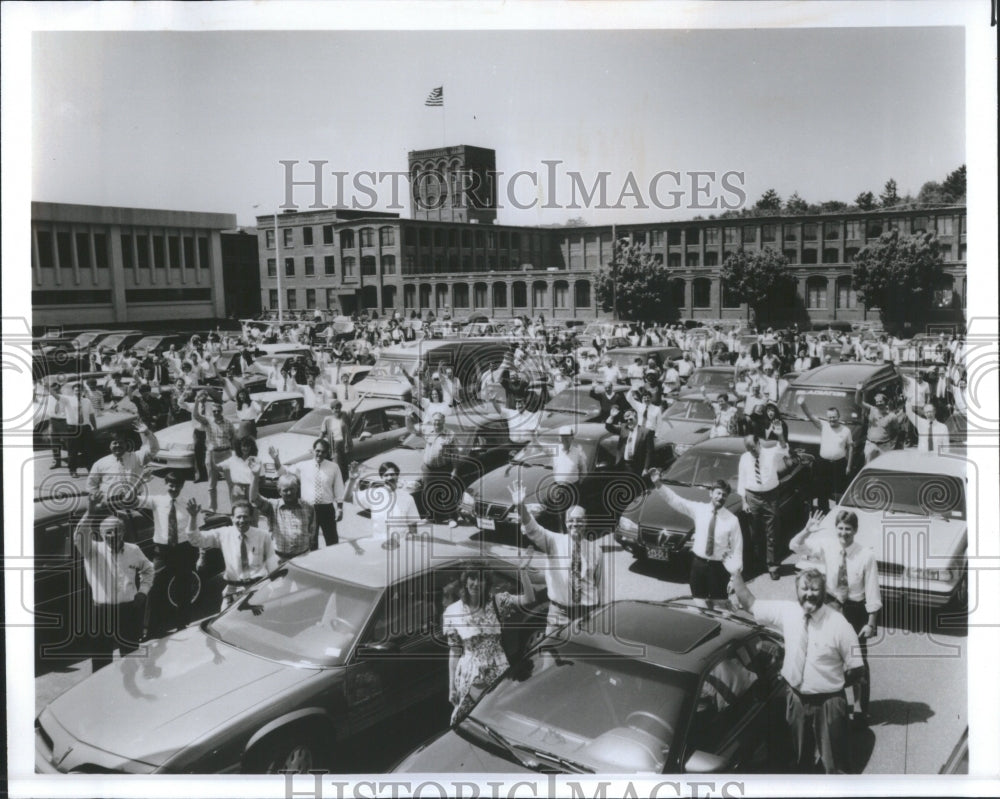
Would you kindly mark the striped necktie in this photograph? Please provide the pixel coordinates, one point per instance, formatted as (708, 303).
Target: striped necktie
(842, 576)
(576, 593)
(798, 669)
(710, 541)
(244, 554)
(756, 470)
(172, 524)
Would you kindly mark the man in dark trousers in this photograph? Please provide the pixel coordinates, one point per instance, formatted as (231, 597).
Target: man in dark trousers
(609, 398)
(635, 443)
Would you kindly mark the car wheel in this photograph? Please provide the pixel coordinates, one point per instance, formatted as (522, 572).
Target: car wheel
(296, 752)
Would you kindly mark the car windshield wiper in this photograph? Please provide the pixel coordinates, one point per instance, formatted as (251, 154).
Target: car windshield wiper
(504, 744)
(566, 764)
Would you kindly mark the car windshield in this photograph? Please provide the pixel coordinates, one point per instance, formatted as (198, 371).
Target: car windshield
(906, 492)
(309, 425)
(691, 409)
(818, 400)
(147, 342)
(720, 379)
(574, 402)
(587, 712)
(393, 367)
(84, 339)
(112, 341)
(541, 453)
(704, 468)
(297, 617)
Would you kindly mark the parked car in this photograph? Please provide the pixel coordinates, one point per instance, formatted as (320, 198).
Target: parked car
(911, 509)
(263, 365)
(650, 528)
(159, 343)
(709, 381)
(604, 492)
(834, 386)
(652, 687)
(624, 357)
(685, 423)
(377, 425)
(119, 341)
(573, 406)
(327, 646)
(61, 591)
(482, 443)
(252, 381)
(279, 410)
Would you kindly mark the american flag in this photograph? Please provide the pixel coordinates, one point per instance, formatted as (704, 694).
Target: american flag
(436, 97)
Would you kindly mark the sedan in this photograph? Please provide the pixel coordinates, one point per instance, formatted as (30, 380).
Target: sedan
(279, 411)
(652, 529)
(709, 381)
(650, 688)
(377, 426)
(573, 406)
(312, 656)
(604, 492)
(685, 423)
(911, 509)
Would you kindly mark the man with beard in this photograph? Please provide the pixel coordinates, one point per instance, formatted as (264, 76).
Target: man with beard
(821, 659)
(717, 543)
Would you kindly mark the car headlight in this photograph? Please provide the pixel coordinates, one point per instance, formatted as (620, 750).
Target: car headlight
(627, 526)
(937, 575)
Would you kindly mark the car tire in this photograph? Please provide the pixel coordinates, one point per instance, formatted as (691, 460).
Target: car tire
(297, 751)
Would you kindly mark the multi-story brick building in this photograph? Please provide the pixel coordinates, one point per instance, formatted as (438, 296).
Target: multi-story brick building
(104, 265)
(449, 256)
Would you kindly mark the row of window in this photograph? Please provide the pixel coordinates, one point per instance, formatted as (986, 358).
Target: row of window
(412, 237)
(348, 266)
(50, 250)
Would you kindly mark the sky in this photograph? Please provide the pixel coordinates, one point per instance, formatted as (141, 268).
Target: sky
(200, 120)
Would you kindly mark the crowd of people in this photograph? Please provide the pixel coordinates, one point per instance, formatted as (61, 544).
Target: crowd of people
(837, 606)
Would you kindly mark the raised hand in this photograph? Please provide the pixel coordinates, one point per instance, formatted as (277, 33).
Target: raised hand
(655, 477)
(273, 452)
(517, 493)
(193, 508)
(815, 521)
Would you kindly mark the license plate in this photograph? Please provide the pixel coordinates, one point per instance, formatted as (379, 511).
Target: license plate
(659, 553)
(486, 524)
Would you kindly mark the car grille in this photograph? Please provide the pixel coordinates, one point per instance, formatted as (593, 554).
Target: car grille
(650, 536)
(490, 510)
(891, 569)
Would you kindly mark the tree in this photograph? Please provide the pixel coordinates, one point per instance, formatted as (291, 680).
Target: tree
(796, 206)
(832, 206)
(761, 280)
(898, 274)
(769, 203)
(576, 221)
(932, 193)
(865, 201)
(636, 284)
(889, 196)
(954, 185)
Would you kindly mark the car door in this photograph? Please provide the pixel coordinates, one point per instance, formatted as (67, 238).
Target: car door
(61, 591)
(400, 659)
(278, 415)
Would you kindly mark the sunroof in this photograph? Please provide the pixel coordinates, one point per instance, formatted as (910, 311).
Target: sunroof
(662, 627)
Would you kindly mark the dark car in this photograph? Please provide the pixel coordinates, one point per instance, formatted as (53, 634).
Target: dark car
(482, 444)
(314, 655)
(834, 386)
(159, 343)
(685, 423)
(119, 341)
(605, 491)
(652, 529)
(652, 687)
(62, 594)
(573, 406)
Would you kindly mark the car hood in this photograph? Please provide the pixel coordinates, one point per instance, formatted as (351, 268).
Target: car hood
(182, 433)
(408, 460)
(452, 754)
(551, 419)
(683, 431)
(886, 533)
(653, 510)
(494, 487)
(292, 447)
(112, 419)
(170, 694)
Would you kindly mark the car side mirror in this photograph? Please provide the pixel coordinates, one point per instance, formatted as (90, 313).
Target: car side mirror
(701, 762)
(365, 436)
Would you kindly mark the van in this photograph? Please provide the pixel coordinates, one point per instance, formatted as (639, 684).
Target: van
(833, 386)
(469, 358)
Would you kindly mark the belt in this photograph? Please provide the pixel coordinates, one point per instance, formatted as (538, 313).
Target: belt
(706, 560)
(762, 493)
(817, 699)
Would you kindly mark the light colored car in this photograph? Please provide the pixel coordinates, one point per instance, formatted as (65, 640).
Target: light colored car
(911, 509)
(377, 425)
(278, 411)
(328, 646)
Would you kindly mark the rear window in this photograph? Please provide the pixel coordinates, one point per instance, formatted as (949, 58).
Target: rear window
(909, 493)
(819, 399)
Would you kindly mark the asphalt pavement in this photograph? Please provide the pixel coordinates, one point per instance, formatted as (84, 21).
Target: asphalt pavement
(918, 661)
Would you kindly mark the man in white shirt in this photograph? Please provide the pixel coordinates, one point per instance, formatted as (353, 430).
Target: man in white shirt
(113, 567)
(175, 561)
(757, 485)
(394, 513)
(717, 542)
(322, 486)
(575, 575)
(836, 453)
(81, 422)
(932, 435)
(123, 470)
(521, 423)
(821, 659)
(247, 551)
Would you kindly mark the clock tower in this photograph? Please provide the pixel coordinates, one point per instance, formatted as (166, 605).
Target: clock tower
(454, 184)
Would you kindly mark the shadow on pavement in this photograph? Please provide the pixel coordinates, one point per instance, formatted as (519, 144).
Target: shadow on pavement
(898, 712)
(862, 744)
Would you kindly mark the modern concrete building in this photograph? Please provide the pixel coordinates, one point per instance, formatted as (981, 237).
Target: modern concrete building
(103, 265)
(452, 255)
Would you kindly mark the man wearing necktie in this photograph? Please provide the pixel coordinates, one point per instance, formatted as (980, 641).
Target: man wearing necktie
(851, 586)
(247, 551)
(175, 561)
(821, 659)
(575, 576)
(758, 487)
(931, 434)
(717, 541)
(635, 442)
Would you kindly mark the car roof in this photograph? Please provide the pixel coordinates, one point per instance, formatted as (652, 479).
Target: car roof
(719, 369)
(365, 562)
(730, 445)
(844, 375)
(915, 461)
(680, 634)
(272, 396)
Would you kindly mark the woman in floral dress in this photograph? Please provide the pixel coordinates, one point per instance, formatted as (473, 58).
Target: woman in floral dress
(472, 627)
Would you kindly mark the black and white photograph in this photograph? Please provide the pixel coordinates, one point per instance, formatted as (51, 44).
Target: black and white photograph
(516, 399)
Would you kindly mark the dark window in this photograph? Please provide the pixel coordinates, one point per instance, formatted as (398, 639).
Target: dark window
(158, 255)
(142, 245)
(101, 250)
(520, 291)
(691, 259)
(711, 258)
(310, 269)
(439, 237)
(307, 236)
(75, 297)
(729, 298)
(515, 240)
(45, 259)
(674, 259)
(387, 236)
(83, 250)
(367, 237)
(328, 234)
(167, 295)
(830, 255)
(810, 231)
(674, 236)
(289, 267)
(702, 293)
(174, 252)
(288, 237)
(410, 237)
(189, 252)
(425, 237)
(582, 294)
(310, 298)
(329, 266)
(202, 252)
(692, 235)
(768, 233)
(461, 295)
(291, 303)
(272, 297)
(347, 239)
(368, 265)
(65, 244)
(272, 268)
(831, 231)
(809, 256)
